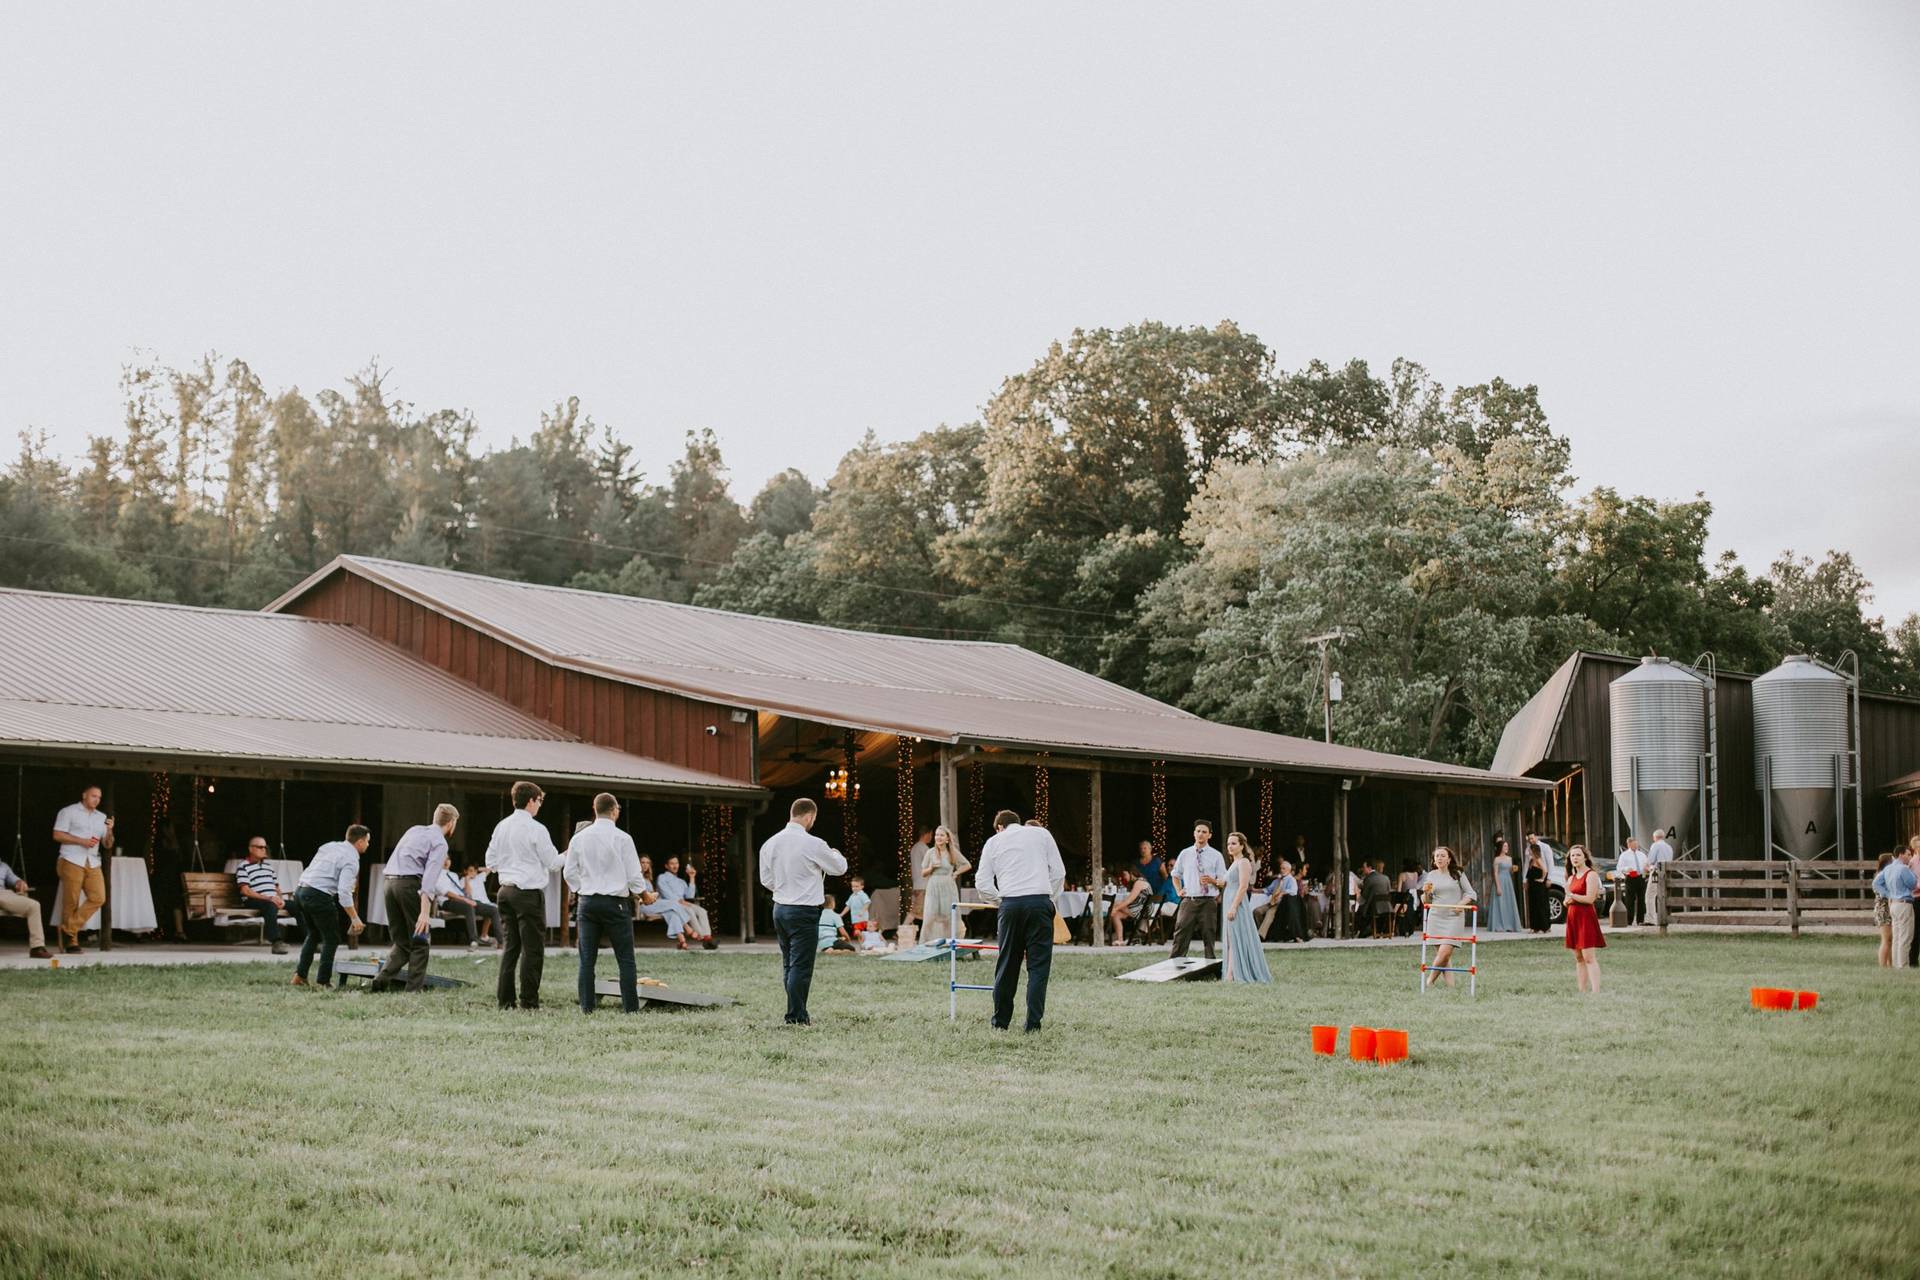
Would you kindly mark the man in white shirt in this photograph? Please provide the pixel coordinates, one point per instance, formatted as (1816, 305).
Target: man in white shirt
(1020, 869)
(521, 853)
(1659, 852)
(1632, 870)
(80, 832)
(325, 890)
(603, 869)
(1198, 873)
(794, 865)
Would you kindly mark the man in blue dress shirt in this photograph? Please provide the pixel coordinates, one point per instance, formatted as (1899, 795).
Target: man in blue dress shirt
(326, 889)
(417, 861)
(1199, 873)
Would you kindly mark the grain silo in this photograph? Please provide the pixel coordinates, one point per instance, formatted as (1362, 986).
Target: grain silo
(1661, 718)
(1805, 756)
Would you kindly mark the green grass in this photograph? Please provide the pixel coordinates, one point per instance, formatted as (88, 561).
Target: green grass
(213, 1122)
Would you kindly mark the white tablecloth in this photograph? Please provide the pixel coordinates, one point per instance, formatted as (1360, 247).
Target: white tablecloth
(1258, 900)
(377, 897)
(1072, 904)
(129, 896)
(287, 870)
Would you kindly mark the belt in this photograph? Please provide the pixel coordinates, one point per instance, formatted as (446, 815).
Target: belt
(398, 879)
(521, 888)
(615, 897)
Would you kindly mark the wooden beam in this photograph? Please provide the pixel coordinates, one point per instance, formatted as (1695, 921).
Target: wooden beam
(1340, 923)
(949, 791)
(1097, 872)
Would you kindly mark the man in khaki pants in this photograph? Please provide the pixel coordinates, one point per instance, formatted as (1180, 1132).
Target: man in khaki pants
(15, 902)
(1896, 883)
(81, 832)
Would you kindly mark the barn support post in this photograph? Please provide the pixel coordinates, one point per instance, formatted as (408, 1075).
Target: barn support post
(1096, 872)
(1342, 906)
(949, 792)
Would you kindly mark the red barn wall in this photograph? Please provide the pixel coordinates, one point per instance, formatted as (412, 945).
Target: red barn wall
(644, 722)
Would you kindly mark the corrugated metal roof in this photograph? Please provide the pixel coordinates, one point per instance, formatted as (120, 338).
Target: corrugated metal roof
(948, 690)
(1529, 736)
(77, 671)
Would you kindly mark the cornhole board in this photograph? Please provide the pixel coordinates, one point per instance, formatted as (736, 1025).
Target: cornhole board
(1186, 969)
(370, 969)
(930, 951)
(609, 988)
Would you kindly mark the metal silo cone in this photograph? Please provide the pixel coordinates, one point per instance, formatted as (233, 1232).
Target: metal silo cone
(1659, 742)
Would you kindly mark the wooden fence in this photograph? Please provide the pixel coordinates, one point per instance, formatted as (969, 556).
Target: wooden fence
(1788, 892)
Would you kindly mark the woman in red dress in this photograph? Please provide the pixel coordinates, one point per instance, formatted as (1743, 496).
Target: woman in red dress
(1583, 921)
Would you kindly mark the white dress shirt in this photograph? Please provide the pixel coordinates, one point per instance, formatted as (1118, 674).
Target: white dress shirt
(78, 820)
(1193, 863)
(1661, 852)
(795, 864)
(602, 860)
(1631, 862)
(1017, 862)
(522, 852)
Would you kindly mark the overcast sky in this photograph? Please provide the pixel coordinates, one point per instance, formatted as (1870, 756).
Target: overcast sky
(1695, 226)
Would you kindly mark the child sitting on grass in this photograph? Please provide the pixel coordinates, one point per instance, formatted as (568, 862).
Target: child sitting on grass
(833, 933)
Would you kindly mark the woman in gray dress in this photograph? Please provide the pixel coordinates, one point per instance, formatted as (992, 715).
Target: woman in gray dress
(943, 866)
(1443, 890)
(1245, 960)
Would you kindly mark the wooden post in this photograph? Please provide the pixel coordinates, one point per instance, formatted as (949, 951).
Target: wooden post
(1227, 814)
(1096, 872)
(949, 792)
(1340, 903)
(1793, 895)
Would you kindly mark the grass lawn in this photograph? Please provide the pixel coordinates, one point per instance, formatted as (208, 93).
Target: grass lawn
(213, 1122)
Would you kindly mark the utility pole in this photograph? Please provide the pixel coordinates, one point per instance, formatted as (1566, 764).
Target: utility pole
(1329, 681)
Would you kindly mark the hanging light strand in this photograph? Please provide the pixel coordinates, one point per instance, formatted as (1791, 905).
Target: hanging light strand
(976, 802)
(160, 806)
(903, 789)
(1159, 831)
(1266, 816)
(1042, 790)
(850, 800)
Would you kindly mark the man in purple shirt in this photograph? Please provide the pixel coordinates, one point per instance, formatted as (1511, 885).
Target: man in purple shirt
(418, 859)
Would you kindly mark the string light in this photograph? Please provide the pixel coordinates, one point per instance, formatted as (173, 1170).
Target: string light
(976, 802)
(162, 804)
(1266, 815)
(903, 789)
(850, 800)
(1042, 790)
(1159, 809)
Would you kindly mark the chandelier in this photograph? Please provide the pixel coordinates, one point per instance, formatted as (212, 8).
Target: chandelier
(837, 785)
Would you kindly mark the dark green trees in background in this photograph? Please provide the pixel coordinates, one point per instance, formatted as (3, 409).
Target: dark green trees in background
(1161, 505)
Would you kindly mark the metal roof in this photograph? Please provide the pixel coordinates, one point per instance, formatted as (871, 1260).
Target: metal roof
(79, 672)
(946, 690)
(1528, 737)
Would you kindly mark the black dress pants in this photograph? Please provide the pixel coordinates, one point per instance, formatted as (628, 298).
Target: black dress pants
(1636, 894)
(403, 911)
(798, 929)
(1201, 912)
(1025, 936)
(523, 927)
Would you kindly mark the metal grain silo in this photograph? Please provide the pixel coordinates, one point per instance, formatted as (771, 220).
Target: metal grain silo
(1660, 761)
(1802, 755)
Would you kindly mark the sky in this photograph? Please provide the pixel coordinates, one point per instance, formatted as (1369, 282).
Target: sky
(1696, 227)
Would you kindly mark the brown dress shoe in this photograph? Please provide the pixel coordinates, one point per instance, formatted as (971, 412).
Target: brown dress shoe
(299, 981)
(41, 953)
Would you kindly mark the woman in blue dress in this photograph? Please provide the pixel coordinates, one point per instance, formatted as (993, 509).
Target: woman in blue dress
(1503, 908)
(1245, 961)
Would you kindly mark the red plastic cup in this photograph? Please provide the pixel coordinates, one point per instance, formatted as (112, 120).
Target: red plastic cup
(1324, 1038)
(1807, 999)
(1389, 1046)
(1360, 1042)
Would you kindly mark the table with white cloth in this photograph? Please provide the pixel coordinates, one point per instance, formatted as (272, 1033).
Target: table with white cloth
(1072, 903)
(286, 870)
(129, 897)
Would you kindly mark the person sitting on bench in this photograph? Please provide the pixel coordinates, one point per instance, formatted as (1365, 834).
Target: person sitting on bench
(466, 896)
(673, 889)
(15, 902)
(260, 890)
(651, 906)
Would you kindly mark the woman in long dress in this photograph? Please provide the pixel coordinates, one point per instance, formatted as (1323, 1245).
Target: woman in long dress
(943, 866)
(1503, 909)
(1539, 912)
(1443, 890)
(1245, 961)
(1583, 921)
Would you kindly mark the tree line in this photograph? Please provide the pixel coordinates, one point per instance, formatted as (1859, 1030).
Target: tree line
(1163, 506)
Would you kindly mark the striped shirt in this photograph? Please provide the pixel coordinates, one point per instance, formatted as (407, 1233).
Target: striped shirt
(258, 876)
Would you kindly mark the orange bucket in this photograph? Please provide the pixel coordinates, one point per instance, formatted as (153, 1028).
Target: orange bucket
(1779, 998)
(1807, 999)
(1758, 995)
(1360, 1041)
(1390, 1046)
(1324, 1038)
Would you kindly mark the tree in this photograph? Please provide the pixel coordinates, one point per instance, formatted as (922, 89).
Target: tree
(784, 505)
(1821, 609)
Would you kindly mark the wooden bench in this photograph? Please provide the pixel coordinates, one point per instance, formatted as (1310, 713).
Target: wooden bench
(609, 988)
(214, 896)
(370, 969)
